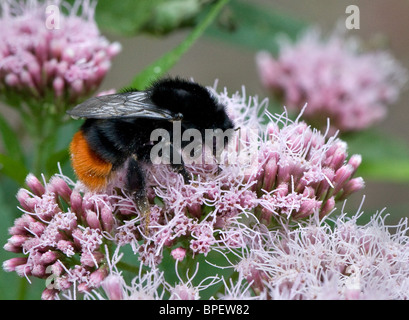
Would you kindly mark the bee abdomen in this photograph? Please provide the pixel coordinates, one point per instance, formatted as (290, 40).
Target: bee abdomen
(90, 168)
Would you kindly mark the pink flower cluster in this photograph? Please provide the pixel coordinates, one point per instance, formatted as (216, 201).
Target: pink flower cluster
(61, 235)
(317, 261)
(280, 171)
(66, 59)
(308, 261)
(334, 78)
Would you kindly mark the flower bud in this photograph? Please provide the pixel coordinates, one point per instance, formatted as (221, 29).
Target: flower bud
(112, 286)
(178, 254)
(35, 185)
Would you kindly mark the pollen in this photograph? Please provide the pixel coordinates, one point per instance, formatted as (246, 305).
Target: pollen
(90, 168)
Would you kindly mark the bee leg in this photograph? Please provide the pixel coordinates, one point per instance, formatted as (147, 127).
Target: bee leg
(136, 185)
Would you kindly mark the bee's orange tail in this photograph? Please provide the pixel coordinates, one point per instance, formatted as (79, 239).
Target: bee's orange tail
(90, 168)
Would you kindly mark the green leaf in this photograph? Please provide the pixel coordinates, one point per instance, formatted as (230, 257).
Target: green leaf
(254, 26)
(10, 140)
(168, 60)
(158, 17)
(130, 17)
(172, 14)
(384, 157)
(13, 168)
(125, 17)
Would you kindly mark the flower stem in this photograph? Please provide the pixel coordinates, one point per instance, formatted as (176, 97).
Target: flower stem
(22, 289)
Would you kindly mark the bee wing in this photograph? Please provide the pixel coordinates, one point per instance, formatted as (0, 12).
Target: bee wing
(134, 104)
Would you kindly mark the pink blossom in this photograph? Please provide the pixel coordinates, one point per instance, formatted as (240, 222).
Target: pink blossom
(185, 290)
(144, 287)
(178, 254)
(316, 261)
(50, 235)
(65, 62)
(112, 286)
(335, 79)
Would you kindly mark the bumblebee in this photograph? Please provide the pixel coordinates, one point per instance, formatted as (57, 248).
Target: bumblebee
(118, 127)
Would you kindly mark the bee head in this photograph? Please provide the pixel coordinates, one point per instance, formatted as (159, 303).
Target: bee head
(199, 108)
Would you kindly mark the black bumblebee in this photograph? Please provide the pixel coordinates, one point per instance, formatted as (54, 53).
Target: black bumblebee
(118, 127)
